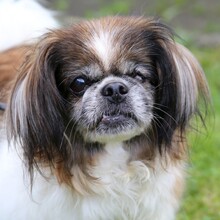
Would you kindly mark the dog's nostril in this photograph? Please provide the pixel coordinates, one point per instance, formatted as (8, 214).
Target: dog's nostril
(123, 89)
(115, 92)
(108, 91)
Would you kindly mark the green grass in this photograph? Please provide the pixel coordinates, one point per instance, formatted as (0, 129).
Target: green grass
(202, 197)
(61, 5)
(119, 7)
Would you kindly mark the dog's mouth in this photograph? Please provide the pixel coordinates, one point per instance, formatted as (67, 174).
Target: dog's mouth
(114, 126)
(115, 123)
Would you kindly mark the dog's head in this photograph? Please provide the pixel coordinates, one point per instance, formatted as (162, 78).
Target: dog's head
(109, 80)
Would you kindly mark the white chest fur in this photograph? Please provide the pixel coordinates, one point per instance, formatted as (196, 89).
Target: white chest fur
(127, 191)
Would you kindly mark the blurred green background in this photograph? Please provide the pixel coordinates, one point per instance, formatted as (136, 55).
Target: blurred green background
(197, 22)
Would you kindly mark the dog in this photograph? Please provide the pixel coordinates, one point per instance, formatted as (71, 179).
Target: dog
(95, 126)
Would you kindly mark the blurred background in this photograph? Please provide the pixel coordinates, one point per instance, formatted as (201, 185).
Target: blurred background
(197, 22)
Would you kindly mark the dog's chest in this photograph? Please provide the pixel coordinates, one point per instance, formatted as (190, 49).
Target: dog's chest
(124, 184)
(120, 177)
(128, 190)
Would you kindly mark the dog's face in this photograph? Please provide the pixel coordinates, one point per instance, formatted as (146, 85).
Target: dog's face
(109, 79)
(113, 79)
(109, 73)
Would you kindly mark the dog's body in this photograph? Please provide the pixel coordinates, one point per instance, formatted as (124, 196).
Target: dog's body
(96, 123)
(128, 191)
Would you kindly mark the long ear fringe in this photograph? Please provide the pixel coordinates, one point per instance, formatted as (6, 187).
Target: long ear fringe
(182, 91)
(35, 114)
(192, 83)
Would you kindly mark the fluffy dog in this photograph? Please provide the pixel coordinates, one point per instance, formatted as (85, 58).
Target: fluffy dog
(96, 123)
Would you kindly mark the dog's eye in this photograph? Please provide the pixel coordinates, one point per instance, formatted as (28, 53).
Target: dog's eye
(79, 85)
(144, 74)
(138, 76)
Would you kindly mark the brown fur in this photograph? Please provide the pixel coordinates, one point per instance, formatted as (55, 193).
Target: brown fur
(10, 62)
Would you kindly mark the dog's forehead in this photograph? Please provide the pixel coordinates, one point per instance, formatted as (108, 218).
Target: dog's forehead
(102, 45)
(114, 42)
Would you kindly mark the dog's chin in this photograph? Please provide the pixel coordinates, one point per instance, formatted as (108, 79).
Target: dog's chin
(114, 128)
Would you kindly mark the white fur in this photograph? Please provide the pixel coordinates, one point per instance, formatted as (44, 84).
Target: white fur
(126, 191)
(103, 46)
(22, 21)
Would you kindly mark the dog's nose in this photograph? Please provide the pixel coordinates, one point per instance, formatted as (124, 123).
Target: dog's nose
(115, 92)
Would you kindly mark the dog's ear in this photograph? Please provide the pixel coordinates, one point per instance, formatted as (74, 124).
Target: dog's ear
(35, 114)
(181, 83)
(191, 83)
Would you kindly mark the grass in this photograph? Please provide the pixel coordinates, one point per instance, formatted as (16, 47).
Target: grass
(202, 197)
(112, 8)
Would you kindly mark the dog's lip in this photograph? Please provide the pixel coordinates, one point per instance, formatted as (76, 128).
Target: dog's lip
(106, 119)
(116, 118)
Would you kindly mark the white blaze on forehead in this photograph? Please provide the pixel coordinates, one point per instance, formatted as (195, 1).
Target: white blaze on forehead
(102, 44)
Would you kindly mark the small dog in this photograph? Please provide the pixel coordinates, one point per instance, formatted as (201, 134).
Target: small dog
(96, 123)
